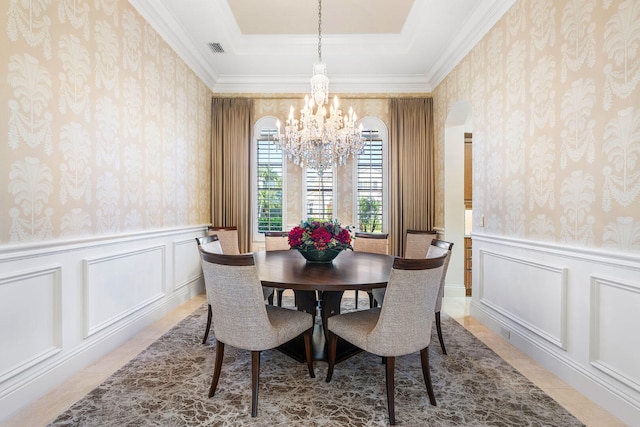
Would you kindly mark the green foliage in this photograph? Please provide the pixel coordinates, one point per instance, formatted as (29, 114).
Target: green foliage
(269, 200)
(369, 214)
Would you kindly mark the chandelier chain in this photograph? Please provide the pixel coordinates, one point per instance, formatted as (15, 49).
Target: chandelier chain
(322, 137)
(319, 30)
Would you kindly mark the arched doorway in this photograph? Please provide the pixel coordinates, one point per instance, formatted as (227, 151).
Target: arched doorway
(459, 121)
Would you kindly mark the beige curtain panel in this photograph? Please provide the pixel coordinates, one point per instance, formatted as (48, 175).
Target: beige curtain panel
(231, 135)
(412, 192)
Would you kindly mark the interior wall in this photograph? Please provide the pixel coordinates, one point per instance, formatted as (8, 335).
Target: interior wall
(555, 93)
(104, 183)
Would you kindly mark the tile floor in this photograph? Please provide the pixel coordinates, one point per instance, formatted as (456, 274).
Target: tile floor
(47, 408)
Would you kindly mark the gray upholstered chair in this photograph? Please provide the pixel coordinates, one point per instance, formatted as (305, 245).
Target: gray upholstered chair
(242, 320)
(277, 241)
(377, 243)
(401, 326)
(417, 243)
(209, 244)
(228, 239)
(438, 248)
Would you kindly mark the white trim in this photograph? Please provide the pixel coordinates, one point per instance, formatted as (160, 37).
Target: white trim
(369, 123)
(266, 122)
(604, 256)
(49, 247)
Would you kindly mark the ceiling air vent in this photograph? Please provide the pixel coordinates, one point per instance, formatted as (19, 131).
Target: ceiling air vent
(216, 47)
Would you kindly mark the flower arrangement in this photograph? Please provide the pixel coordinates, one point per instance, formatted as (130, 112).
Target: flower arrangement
(321, 236)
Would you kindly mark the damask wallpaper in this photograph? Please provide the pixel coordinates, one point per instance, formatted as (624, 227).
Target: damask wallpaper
(555, 93)
(105, 129)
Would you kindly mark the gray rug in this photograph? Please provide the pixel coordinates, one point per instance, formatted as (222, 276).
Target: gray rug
(167, 385)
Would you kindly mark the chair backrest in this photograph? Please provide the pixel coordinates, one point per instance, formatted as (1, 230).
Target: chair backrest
(239, 315)
(276, 240)
(404, 325)
(436, 249)
(210, 244)
(228, 239)
(417, 243)
(377, 243)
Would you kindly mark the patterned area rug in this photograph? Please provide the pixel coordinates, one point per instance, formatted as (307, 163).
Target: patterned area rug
(167, 385)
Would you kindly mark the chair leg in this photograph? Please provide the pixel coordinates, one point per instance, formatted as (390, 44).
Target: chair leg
(356, 299)
(332, 340)
(206, 331)
(307, 351)
(426, 373)
(439, 329)
(217, 368)
(279, 293)
(255, 380)
(270, 299)
(390, 375)
(372, 302)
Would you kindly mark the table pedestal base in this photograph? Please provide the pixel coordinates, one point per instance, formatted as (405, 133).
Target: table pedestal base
(329, 306)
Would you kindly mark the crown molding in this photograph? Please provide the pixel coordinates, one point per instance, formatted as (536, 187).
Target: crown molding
(483, 21)
(163, 21)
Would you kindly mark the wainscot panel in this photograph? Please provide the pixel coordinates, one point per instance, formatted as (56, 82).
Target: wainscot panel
(528, 293)
(29, 300)
(120, 284)
(615, 306)
(186, 262)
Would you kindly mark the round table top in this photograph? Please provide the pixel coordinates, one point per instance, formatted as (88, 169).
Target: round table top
(350, 270)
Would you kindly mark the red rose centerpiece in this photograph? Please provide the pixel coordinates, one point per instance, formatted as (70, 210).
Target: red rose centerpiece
(320, 241)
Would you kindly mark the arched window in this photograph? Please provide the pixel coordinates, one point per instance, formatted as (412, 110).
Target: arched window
(371, 178)
(269, 176)
(320, 192)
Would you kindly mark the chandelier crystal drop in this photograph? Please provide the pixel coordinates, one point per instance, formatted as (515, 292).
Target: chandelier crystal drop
(317, 140)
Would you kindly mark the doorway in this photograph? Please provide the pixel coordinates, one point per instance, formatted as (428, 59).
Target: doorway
(458, 123)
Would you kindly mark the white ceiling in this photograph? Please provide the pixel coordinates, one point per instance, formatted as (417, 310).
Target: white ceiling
(369, 46)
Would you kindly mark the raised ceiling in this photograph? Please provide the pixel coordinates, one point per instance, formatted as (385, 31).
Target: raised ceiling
(369, 46)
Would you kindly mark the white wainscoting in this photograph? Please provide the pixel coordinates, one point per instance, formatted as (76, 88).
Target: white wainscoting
(615, 306)
(29, 301)
(64, 304)
(575, 311)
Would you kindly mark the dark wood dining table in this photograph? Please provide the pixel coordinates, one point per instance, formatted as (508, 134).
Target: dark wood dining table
(321, 286)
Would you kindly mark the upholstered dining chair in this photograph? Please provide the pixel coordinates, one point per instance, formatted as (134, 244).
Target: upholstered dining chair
(228, 239)
(242, 320)
(277, 241)
(209, 244)
(401, 326)
(377, 243)
(416, 246)
(438, 248)
(417, 243)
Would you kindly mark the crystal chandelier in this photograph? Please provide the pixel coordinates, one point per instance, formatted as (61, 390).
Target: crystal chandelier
(316, 140)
